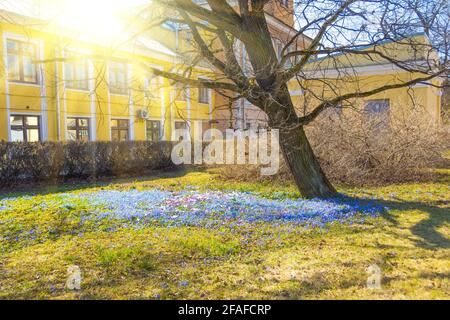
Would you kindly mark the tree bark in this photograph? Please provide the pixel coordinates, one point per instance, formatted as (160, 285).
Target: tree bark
(308, 175)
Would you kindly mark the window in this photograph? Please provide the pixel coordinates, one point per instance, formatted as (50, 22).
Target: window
(180, 125)
(25, 128)
(21, 67)
(153, 130)
(76, 72)
(78, 129)
(376, 107)
(377, 112)
(153, 87)
(120, 129)
(206, 125)
(118, 83)
(203, 95)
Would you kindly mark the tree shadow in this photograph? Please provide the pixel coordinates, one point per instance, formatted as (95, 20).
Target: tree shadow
(426, 229)
(45, 188)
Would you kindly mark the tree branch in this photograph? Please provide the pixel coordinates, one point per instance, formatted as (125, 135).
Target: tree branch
(200, 83)
(231, 23)
(288, 74)
(326, 104)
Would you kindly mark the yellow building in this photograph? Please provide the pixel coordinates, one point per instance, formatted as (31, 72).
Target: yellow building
(337, 75)
(57, 86)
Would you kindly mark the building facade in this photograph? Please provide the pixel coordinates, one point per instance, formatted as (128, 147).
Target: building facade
(57, 87)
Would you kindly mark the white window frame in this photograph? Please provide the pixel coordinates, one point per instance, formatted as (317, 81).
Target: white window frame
(147, 86)
(42, 123)
(38, 66)
(126, 91)
(89, 71)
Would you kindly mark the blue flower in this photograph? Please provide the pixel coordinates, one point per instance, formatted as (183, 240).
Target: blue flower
(207, 209)
(184, 283)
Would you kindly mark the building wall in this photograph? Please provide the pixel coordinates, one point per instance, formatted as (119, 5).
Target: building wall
(421, 100)
(54, 101)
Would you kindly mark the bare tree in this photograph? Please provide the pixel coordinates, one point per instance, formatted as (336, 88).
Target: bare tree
(337, 32)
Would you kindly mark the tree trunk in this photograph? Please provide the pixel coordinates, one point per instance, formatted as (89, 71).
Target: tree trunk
(308, 175)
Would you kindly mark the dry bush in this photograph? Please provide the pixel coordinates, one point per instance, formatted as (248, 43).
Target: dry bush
(49, 161)
(357, 152)
(446, 104)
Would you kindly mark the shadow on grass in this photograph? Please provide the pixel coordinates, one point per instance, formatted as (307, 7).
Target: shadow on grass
(426, 229)
(31, 189)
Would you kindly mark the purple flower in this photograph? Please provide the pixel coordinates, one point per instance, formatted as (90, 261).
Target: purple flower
(184, 283)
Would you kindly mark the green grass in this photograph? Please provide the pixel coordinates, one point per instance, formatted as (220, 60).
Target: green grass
(410, 243)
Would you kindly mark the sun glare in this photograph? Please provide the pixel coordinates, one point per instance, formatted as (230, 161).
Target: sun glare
(100, 18)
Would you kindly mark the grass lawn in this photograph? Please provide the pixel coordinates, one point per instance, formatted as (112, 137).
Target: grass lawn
(194, 246)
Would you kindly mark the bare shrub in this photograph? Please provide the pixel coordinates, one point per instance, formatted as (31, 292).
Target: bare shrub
(360, 151)
(357, 151)
(446, 103)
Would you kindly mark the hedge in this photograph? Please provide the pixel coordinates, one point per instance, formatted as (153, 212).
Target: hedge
(49, 161)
